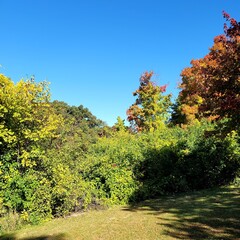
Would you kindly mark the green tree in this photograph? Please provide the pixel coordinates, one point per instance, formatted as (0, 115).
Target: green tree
(80, 128)
(119, 126)
(151, 107)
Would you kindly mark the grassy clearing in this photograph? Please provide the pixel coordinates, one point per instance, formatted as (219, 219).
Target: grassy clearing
(211, 214)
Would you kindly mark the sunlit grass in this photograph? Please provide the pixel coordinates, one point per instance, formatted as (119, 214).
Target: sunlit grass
(211, 214)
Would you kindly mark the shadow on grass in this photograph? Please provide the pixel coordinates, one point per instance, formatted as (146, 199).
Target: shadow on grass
(210, 214)
(52, 237)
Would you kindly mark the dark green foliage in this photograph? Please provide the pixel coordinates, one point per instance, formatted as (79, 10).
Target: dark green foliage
(80, 115)
(212, 162)
(177, 117)
(193, 162)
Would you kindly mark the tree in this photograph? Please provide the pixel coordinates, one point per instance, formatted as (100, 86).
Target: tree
(151, 108)
(210, 87)
(119, 126)
(26, 118)
(80, 115)
(26, 122)
(80, 128)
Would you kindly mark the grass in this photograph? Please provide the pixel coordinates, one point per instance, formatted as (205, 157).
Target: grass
(209, 214)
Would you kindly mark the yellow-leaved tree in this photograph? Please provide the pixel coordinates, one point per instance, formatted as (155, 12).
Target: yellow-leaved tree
(27, 121)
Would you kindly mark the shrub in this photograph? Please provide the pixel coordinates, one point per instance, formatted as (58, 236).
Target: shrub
(109, 167)
(177, 160)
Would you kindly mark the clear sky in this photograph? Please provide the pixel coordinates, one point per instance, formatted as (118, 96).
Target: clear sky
(94, 51)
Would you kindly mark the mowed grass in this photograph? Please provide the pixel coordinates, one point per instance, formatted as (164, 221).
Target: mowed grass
(209, 214)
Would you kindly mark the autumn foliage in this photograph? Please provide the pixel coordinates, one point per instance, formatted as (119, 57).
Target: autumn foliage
(210, 88)
(56, 159)
(150, 107)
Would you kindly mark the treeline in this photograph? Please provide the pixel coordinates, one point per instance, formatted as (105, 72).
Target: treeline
(56, 159)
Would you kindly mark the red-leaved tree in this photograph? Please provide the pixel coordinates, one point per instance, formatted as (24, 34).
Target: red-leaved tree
(210, 88)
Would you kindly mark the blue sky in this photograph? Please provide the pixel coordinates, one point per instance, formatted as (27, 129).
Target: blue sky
(94, 51)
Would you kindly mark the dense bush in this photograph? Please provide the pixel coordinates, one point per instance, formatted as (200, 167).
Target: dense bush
(212, 162)
(128, 167)
(110, 167)
(193, 161)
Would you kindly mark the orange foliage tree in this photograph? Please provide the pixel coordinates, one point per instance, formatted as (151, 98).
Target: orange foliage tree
(210, 88)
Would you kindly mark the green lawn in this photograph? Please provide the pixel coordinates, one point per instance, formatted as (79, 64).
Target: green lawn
(210, 214)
